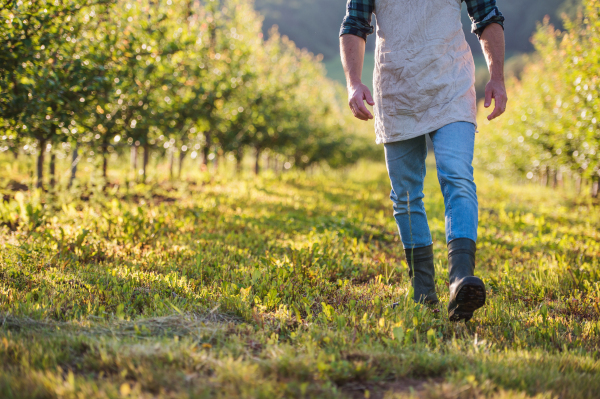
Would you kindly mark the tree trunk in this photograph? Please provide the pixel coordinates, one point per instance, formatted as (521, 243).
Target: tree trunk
(554, 178)
(239, 154)
(257, 161)
(205, 151)
(595, 188)
(181, 158)
(145, 162)
(216, 160)
(52, 170)
(105, 163)
(134, 156)
(560, 178)
(40, 164)
(578, 184)
(74, 163)
(171, 162)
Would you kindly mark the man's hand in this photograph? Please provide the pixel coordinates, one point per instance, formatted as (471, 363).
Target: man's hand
(495, 89)
(492, 42)
(352, 50)
(357, 95)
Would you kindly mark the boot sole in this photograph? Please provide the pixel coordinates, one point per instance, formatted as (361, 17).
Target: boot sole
(469, 298)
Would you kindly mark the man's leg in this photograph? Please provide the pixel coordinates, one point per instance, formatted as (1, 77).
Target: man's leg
(406, 167)
(453, 146)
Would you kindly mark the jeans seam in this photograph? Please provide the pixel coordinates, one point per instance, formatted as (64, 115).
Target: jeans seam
(448, 206)
(445, 194)
(423, 182)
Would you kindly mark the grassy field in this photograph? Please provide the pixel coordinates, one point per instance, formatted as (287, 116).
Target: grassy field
(280, 286)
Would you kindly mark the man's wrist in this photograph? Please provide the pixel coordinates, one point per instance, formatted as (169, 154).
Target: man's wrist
(354, 84)
(499, 78)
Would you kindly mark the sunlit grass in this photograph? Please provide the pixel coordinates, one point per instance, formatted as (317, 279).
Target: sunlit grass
(279, 286)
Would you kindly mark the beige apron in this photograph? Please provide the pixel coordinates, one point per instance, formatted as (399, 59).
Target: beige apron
(424, 71)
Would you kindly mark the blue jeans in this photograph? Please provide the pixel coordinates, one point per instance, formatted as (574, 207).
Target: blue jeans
(453, 147)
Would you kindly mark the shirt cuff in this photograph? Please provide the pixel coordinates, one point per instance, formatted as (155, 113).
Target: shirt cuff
(352, 26)
(494, 17)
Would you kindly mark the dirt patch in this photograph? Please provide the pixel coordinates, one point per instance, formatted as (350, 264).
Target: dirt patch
(357, 390)
(155, 198)
(181, 325)
(14, 185)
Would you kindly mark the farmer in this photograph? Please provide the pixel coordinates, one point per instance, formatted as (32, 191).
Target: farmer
(424, 85)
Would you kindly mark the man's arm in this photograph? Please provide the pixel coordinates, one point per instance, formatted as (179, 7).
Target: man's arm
(492, 43)
(488, 25)
(352, 49)
(353, 35)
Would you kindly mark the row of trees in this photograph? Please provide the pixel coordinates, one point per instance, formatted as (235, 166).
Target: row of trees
(552, 127)
(166, 76)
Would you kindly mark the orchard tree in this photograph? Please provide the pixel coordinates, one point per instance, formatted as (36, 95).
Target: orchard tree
(44, 81)
(553, 124)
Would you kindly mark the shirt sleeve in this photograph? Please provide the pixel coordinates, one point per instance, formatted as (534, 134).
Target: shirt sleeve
(482, 14)
(358, 18)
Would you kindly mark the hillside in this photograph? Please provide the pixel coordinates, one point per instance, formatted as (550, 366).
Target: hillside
(315, 24)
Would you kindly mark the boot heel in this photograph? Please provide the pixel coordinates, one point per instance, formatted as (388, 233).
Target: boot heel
(470, 297)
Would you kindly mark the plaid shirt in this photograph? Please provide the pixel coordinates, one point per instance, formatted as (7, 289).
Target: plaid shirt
(358, 16)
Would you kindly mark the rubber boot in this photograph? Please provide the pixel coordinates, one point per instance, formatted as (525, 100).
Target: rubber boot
(422, 274)
(467, 292)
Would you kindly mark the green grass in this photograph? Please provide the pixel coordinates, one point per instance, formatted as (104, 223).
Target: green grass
(279, 286)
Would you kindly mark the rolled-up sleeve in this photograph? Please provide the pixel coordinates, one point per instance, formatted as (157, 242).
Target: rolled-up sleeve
(357, 21)
(483, 13)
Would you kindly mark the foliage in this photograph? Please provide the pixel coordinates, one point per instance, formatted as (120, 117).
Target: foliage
(553, 120)
(166, 77)
(279, 286)
(43, 79)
